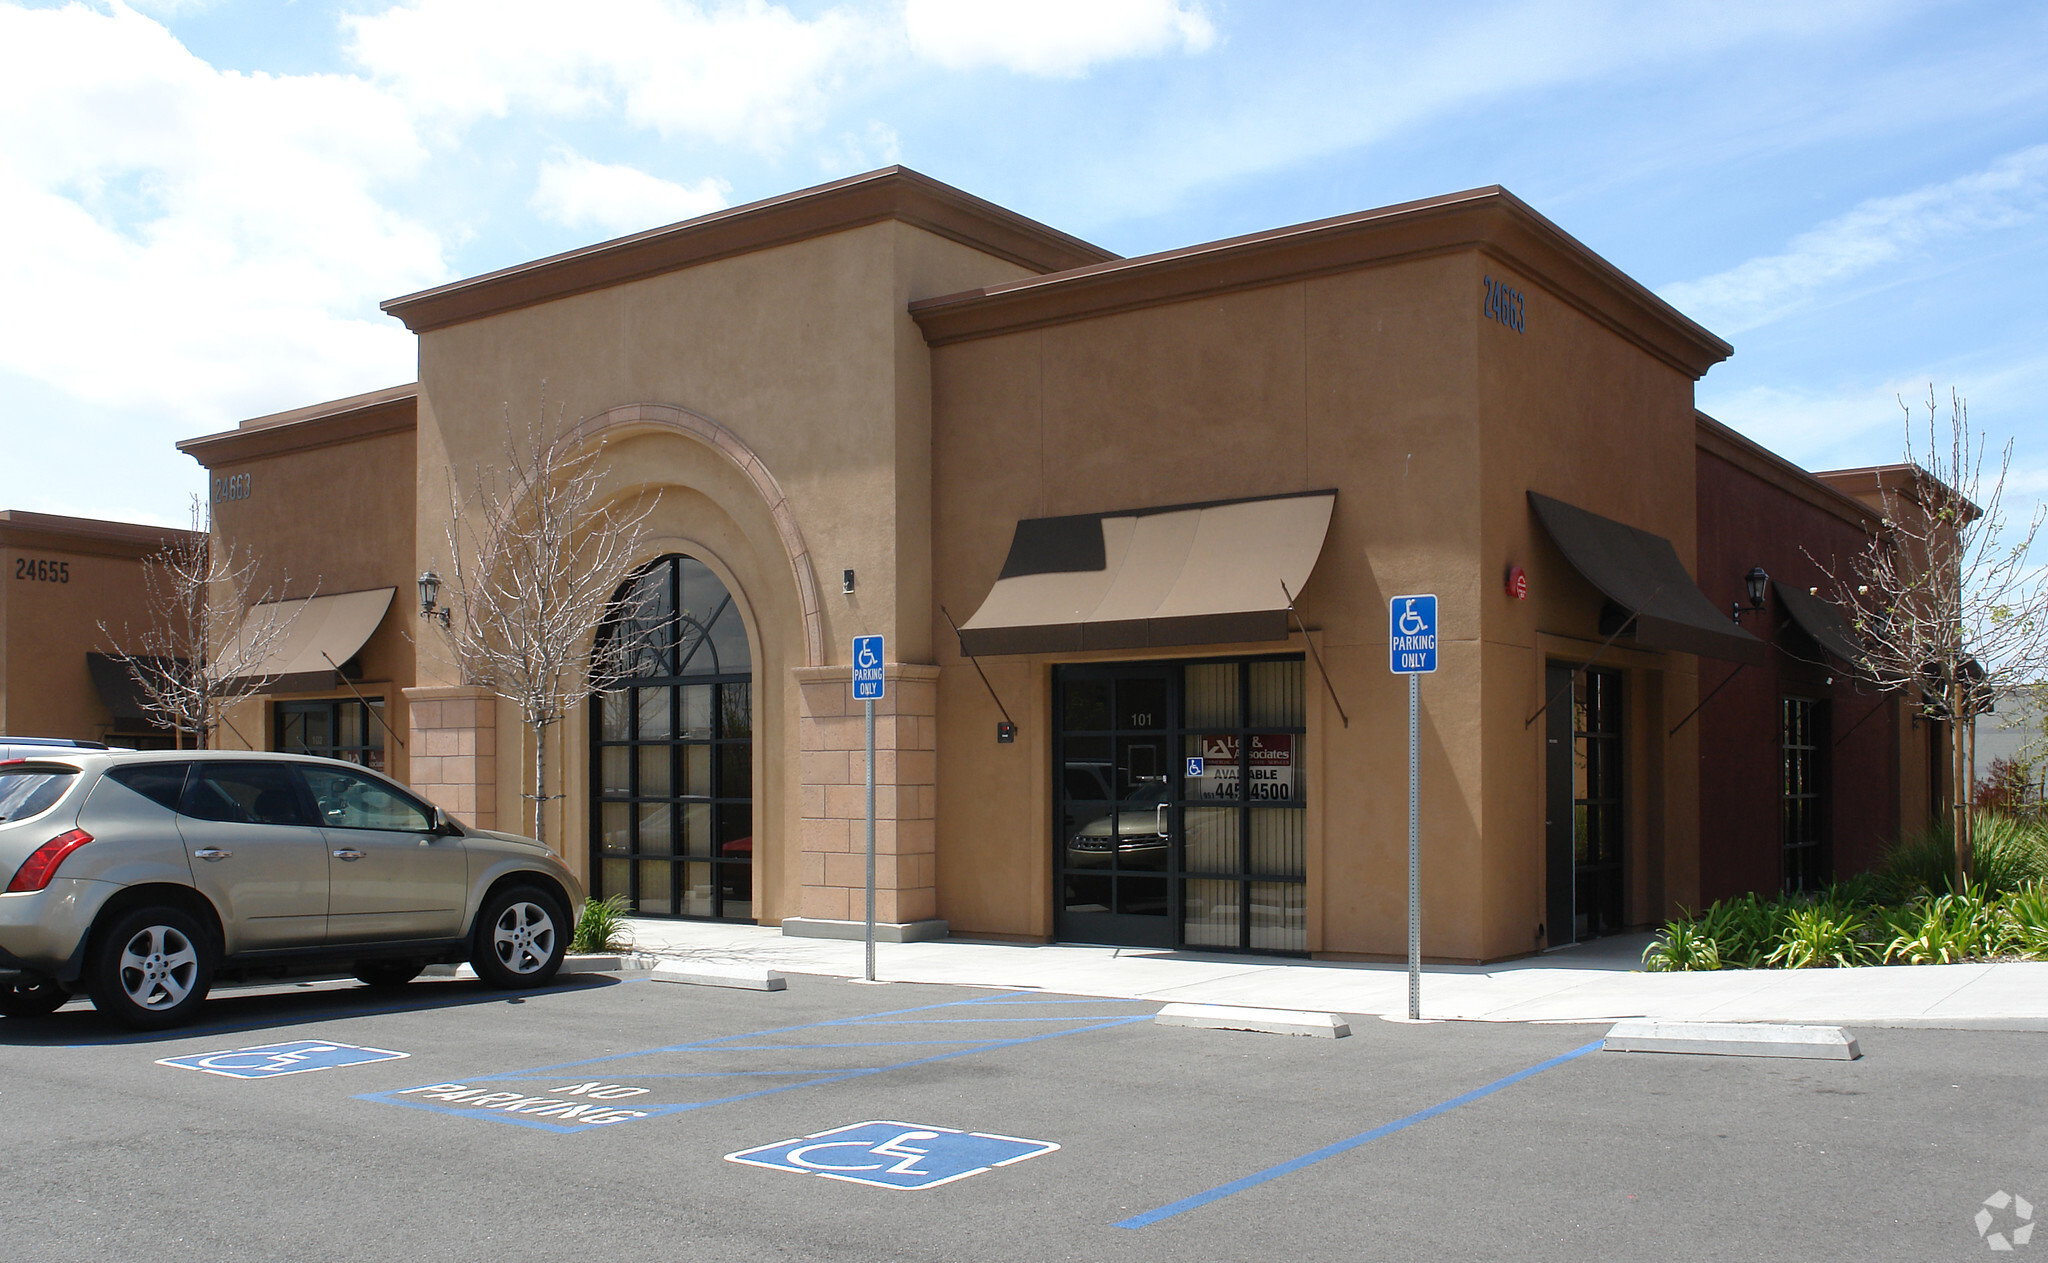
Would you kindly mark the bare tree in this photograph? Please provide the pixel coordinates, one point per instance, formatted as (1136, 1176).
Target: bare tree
(211, 636)
(1945, 598)
(538, 556)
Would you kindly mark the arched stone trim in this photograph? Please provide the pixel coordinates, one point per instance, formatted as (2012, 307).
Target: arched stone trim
(660, 416)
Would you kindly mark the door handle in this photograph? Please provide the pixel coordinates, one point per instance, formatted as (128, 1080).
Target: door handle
(348, 853)
(212, 854)
(1159, 823)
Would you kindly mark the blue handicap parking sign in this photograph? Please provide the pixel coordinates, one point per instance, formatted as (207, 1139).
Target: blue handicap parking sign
(1194, 767)
(893, 1155)
(867, 668)
(268, 1061)
(1411, 634)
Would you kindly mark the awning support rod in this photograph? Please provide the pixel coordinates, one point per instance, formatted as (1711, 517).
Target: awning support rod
(1625, 624)
(1313, 654)
(374, 711)
(1882, 698)
(1708, 698)
(978, 671)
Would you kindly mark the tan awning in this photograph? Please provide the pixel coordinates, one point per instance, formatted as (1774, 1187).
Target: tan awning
(1201, 574)
(1822, 620)
(321, 633)
(1641, 573)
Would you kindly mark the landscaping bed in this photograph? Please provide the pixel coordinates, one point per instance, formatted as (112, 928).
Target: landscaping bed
(1907, 913)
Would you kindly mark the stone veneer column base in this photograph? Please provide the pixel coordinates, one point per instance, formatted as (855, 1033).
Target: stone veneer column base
(833, 856)
(454, 747)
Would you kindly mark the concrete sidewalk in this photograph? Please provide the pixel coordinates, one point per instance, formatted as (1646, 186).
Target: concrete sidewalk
(1594, 982)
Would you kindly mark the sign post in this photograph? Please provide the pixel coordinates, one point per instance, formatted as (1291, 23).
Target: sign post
(867, 687)
(1411, 651)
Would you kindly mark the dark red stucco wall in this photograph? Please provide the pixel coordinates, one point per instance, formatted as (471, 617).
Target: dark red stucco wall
(1746, 521)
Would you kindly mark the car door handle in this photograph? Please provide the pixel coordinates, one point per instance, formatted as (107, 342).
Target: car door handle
(212, 853)
(348, 853)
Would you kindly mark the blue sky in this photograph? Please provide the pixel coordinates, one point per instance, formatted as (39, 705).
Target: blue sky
(206, 199)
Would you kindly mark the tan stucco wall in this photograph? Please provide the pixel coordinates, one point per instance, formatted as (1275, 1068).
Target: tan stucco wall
(1431, 422)
(325, 520)
(47, 628)
(806, 354)
(1363, 381)
(1575, 411)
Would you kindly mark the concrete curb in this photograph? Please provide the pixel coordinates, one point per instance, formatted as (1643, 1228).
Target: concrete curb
(699, 973)
(1733, 1039)
(626, 963)
(1229, 1017)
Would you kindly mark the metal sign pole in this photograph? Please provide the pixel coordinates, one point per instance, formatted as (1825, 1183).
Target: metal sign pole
(869, 683)
(1414, 848)
(1411, 651)
(871, 839)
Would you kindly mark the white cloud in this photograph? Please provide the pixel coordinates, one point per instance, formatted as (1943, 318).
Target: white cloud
(577, 192)
(747, 72)
(1052, 37)
(205, 244)
(1875, 234)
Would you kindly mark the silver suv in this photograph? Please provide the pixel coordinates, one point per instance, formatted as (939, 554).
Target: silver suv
(142, 879)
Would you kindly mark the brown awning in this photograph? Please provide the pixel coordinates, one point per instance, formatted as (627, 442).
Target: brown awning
(322, 632)
(1821, 619)
(119, 690)
(1641, 573)
(1200, 574)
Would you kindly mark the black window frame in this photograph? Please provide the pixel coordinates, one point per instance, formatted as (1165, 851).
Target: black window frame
(1805, 856)
(369, 753)
(729, 760)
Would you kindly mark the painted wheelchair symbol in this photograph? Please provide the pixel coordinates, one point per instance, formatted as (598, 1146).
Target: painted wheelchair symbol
(1411, 622)
(868, 659)
(885, 1154)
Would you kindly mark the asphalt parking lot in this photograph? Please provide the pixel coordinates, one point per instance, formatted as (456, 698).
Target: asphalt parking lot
(595, 1119)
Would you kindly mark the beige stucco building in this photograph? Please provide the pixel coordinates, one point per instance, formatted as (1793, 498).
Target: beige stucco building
(884, 407)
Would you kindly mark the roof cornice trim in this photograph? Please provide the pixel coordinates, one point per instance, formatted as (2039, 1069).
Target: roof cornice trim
(391, 411)
(22, 529)
(1491, 220)
(891, 193)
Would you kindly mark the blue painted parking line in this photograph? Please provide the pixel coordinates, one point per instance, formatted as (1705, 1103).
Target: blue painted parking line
(271, 1061)
(1345, 1146)
(903, 1156)
(596, 1092)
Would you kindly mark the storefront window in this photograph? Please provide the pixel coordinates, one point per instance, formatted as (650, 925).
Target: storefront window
(342, 728)
(1182, 792)
(673, 749)
(1800, 748)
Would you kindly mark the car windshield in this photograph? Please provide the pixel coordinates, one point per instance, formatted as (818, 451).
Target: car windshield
(26, 792)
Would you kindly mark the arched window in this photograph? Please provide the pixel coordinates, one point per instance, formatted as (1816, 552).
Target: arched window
(672, 748)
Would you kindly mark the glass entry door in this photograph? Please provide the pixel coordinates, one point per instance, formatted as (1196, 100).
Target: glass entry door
(1119, 805)
(1182, 805)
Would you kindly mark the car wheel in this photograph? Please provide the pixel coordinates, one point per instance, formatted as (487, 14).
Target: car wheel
(388, 973)
(521, 936)
(31, 999)
(150, 969)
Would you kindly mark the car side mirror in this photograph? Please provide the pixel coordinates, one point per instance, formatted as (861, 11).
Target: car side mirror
(444, 825)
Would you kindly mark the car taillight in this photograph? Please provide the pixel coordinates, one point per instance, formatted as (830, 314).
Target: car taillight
(37, 870)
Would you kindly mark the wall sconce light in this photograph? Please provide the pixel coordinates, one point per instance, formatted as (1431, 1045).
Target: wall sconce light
(846, 580)
(1757, 582)
(430, 596)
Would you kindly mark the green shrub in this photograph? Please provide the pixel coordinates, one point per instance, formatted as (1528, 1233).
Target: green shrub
(1945, 929)
(2024, 919)
(602, 927)
(1681, 946)
(2007, 853)
(1818, 936)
